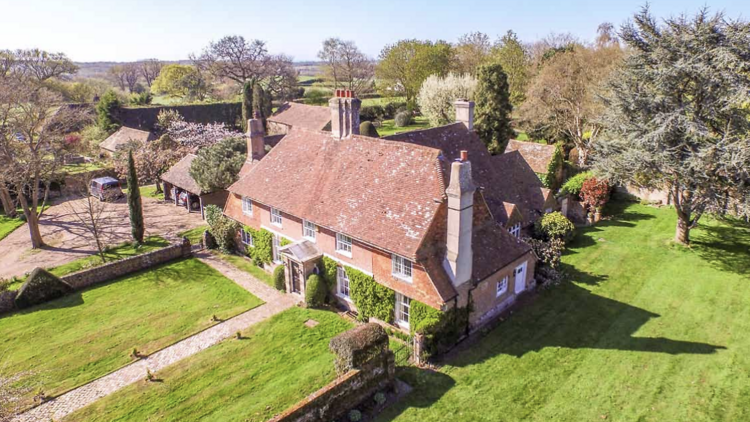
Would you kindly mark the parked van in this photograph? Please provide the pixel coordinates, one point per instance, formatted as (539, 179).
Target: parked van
(105, 188)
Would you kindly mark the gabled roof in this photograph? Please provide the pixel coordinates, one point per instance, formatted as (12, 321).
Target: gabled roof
(505, 178)
(179, 175)
(380, 192)
(302, 115)
(537, 155)
(125, 135)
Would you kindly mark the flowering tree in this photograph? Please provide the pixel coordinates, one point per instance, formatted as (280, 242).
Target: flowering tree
(437, 95)
(195, 135)
(595, 193)
(151, 160)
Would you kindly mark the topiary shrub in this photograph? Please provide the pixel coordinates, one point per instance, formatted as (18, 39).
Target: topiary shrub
(554, 226)
(358, 346)
(402, 119)
(279, 278)
(40, 287)
(573, 185)
(370, 298)
(355, 415)
(368, 129)
(315, 291)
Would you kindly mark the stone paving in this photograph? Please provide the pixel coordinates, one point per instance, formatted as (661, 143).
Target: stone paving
(73, 400)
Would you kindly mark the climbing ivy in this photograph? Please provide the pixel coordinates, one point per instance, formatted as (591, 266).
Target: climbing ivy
(372, 299)
(549, 179)
(328, 272)
(441, 330)
(262, 251)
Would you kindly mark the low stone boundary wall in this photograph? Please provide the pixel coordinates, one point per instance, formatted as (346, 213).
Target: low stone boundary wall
(85, 278)
(375, 374)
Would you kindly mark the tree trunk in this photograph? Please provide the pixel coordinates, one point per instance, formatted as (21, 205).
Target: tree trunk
(682, 234)
(36, 235)
(158, 186)
(8, 206)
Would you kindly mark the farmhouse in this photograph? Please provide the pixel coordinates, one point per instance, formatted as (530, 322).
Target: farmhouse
(122, 137)
(410, 217)
(183, 190)
(291, 115)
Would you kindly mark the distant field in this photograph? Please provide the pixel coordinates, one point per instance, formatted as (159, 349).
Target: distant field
(388, 127)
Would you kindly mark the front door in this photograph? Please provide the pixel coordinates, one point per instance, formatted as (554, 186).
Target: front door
(294, 269)
(520, 280)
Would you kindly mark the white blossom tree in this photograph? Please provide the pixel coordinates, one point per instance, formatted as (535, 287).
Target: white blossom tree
(437, 95)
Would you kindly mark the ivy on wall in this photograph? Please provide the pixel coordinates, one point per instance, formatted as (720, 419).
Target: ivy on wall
(372, 299)
(262, 251)
(284, 241)
(441, 330)
(328, 272)
(549, 179)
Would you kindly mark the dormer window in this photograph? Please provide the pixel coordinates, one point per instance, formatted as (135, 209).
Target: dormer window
(247, 206)
(275, 217)
(401, 267)
(515, 230)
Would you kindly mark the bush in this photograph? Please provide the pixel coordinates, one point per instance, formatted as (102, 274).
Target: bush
(402, 119)
(40, 287)
(108, 103)
(379, 398)
(595, 193)
(368, 129)
(550, 253)
(143, 98)
(573, 185)
(279, 278)
(554, 226)
(372, 113)
(315, 291)
(355, 415)
(221, 228)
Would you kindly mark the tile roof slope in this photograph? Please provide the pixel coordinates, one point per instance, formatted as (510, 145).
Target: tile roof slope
(505, 178)
(179, 175)
(124, 135)
(302, 115)
(380, 192)
(537, 155)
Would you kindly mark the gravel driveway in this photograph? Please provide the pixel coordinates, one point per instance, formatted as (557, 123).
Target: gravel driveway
(67, 239)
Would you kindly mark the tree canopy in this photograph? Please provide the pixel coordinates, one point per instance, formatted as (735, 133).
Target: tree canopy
(178, 80)
(218, 166)
(437, 95)
(512, 56)
(347, 66)
(493, 108)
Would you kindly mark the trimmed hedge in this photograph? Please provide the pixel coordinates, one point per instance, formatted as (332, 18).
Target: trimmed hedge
(366, 128)
(279, 278)
(145, 118)
(372, 299)
(315, 291)
(40, 287)
(358, 346)
(378, 112)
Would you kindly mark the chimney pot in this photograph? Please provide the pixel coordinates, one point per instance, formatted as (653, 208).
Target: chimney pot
(464, 155)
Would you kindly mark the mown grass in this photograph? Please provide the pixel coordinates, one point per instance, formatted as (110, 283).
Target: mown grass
(247, 266)
(73, 169)
(277, 363)
(382, 101)
(82, 336)
(647, 330)
(388, 127)
(8, 225)
(148, 191)
(194, 235)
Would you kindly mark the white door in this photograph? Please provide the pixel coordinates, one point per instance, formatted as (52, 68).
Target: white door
(520, 280)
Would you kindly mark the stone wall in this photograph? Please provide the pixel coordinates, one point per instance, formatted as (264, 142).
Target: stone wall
(85, 278)
(7, 301)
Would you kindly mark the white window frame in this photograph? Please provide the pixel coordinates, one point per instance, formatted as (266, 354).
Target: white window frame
(502, 287)
(515, 230)
(401, 267)
(276, 218)
(344, 244)
(342, 283)
(309, 230)
(275, 245)
(247, 238)
(403, 310)
(247, 206)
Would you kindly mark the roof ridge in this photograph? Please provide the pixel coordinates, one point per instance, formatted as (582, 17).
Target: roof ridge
(423, 130)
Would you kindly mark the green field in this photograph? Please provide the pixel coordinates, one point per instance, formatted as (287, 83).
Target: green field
(647, 330)
(382, 101)
(247, 266)
(277, 363)
(80, 337)
(388, 127)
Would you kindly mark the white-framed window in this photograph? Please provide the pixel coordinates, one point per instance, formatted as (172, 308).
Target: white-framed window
(247, 237)
(309, 230)
(502, 286)
(401, 267)
(403, 307)
(343, 244)
(342, 282)
(515, 230)
(275, 217)
(275, 248)
(247, 206)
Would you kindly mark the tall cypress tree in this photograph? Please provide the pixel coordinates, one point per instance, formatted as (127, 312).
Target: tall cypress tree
(247, 103)
(493, 107)
(262, 103)
(134, 201)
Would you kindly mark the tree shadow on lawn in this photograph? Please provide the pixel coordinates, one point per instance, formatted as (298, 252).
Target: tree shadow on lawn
(67, 301)
(436, 383)
(726, 247)
(572, 317)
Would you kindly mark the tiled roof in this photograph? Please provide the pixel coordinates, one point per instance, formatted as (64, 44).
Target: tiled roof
(537, 155)
(125, 135)
(179, 175)
(505, 178)
(381, 192)
(302, 115)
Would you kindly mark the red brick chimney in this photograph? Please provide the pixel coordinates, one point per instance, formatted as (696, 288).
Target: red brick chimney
(344, 114)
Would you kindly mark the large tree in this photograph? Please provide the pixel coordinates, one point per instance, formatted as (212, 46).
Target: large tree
(135, 207)
(677, 113)
(471, 50)
(181, 81)
(346, 66)
(125, 75)
(512, 56)
(493, 107)
(405, 65)
(437, 96)
(217, 166)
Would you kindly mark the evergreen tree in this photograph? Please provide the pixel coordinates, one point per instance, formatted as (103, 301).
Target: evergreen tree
(247, 103)
(107, 104)
(134, 201)
(218, 166)
(493, 108)
(262, 103)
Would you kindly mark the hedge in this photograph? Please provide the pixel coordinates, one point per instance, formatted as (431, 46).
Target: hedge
(315, 291)
(145, 118)
(372, 299)
(279, 278)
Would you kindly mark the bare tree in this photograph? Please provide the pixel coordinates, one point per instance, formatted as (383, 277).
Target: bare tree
(125, 75)
(347, 66)
(93, 215)
(40, 65)
(472, 50)
(150, 69)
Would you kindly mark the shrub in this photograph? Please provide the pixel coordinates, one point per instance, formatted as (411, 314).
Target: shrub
(166, 117)
(279, 278)
(108, 103)
(221, 228)
(315, 291)
(554, 226)
(437, 95)
(316, 97)
(370, 298)
(355, 415)
(379, 398)
(402, 119)
(143, 98)
(549, 252)
(40, 287)
(372, 113)
(441, 330)
(368, 129)
(573, 185)
(595, 193)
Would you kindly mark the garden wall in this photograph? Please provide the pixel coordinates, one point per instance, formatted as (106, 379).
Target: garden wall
(144, 118)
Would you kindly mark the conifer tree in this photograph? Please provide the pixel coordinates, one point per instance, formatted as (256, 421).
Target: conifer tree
(493, 108)
(134, 201)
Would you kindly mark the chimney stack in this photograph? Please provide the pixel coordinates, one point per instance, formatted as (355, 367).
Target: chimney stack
(344, 114)
(256, 147)
(465, 113)
(459, 256)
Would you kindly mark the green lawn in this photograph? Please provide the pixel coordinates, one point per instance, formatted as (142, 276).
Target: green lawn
(148, 191)
(276, 364)
(8, 225)
(647, 331)
(247, 266)
(73, 169)
(194, 235)
(75, 339)
(388, 127)
(382, 101)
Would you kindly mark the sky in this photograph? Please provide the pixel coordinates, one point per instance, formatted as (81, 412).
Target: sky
(129, 30)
